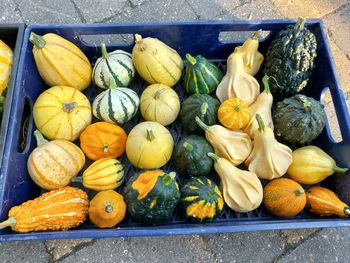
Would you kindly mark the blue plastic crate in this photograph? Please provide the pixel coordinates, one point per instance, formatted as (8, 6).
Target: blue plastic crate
(186, 37)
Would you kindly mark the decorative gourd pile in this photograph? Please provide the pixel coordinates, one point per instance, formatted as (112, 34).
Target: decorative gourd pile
(226, 123)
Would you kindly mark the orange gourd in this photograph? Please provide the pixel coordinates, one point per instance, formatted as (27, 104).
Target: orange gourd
(324, 202)
(102, 140)
(284, 197)
(107, 209)
(59, 209)
(233, 113)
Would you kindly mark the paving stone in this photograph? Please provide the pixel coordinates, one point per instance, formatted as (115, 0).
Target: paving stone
(246, 247)
(231, 4)
(338, 25)
(256, 9)
(36, 12)
(293, 237)
(307, 8)
(330, 245)
(8, 12)
(101, 9)
(28, 251)
(61, 248)
(207, 9)
(137, 2)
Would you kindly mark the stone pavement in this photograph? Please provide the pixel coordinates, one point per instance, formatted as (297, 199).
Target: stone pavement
(321, 245)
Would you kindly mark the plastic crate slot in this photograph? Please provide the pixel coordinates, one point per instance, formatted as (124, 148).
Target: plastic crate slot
(24, 139)
(238, 37)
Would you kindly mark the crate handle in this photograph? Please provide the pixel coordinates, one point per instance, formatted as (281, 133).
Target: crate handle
(342, 112)
(24, 138)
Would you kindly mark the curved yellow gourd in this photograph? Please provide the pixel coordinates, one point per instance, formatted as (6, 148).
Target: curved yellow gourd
(6, 60)
(60, 62)
(62, 112)
(156, 62)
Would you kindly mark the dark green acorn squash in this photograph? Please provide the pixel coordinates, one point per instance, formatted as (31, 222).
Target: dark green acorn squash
(290, 60)
(201, 200)
(299, 119)
(201, 105)
(190, 156)
(152, 196)
(201, 75)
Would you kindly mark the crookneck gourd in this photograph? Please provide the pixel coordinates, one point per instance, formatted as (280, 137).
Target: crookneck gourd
(234, 146)
(59, 209)
(53, 164)
(290, 60)
(152, 196)
(269, 159)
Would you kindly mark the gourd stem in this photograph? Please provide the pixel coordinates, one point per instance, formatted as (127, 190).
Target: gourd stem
(347, 211)
(9, 222)
(202, 124)
(238, 108)
(307, 105)
(191, 59)
(256, 34)
(299, 191)
(213, 156)
(168, 178)
(105, 148)
(265, 81)
(37, 40)
(104, 50)
(188, 146)
(39, 138)
(300, 23)
(77, 179)
(69, 106)
(338, 169)
(150, 135)
(260, 122)
(204, 108)
(157, 94)
(139, 42)
(109, 208)
(211, 193)
(112, 83)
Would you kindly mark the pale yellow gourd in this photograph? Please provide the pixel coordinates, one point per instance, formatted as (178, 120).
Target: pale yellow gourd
(237, 83)
(156, 62)
(269, 159)
(251, 56)
(6, 60)
(242, 190)
(235, 146)
(262, 106)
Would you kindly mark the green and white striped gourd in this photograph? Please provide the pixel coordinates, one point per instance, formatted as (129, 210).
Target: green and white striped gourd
(116, 105)
(117, 65)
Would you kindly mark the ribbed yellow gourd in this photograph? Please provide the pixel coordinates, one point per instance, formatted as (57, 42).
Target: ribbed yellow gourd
(60, 62)
(6, 59)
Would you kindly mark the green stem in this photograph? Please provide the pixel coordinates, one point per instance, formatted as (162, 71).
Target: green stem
(188, 146)
(69, 106)
(238, 108)
(347, 211)
(204, 108)
(307, 105)
(211, 193)
(260, 122)
(299, 191)
(104, 50)
(191, 59)
(169, 178)
(157, 94)
(109, 208)
(300, 23)
(256, 34)
(77, 179)
(112, 83)
(150, 135)
(105, 148)
(9, 222)
(201, 124)
(39, 138)
(37, 40)
(338, 169)
(213, 156)
(265, 81)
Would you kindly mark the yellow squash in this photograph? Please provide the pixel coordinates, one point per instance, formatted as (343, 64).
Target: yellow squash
(60, 62)
(311, 165)
(53, 164)
(242, 190)
(149, 145)
(62, 112)
(269, 159)
(234, 146)
(156, 62)
(6, 60)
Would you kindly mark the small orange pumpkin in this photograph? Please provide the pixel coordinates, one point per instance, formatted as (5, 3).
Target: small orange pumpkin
(107, 209)
(284, 197)
(233, 113)
(102, 140)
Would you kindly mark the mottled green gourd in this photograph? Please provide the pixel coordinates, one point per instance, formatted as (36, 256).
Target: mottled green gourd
(201, 75)
(190, 156)
(299, 119)
(201, 200)
(290, 60)
(201, 105)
